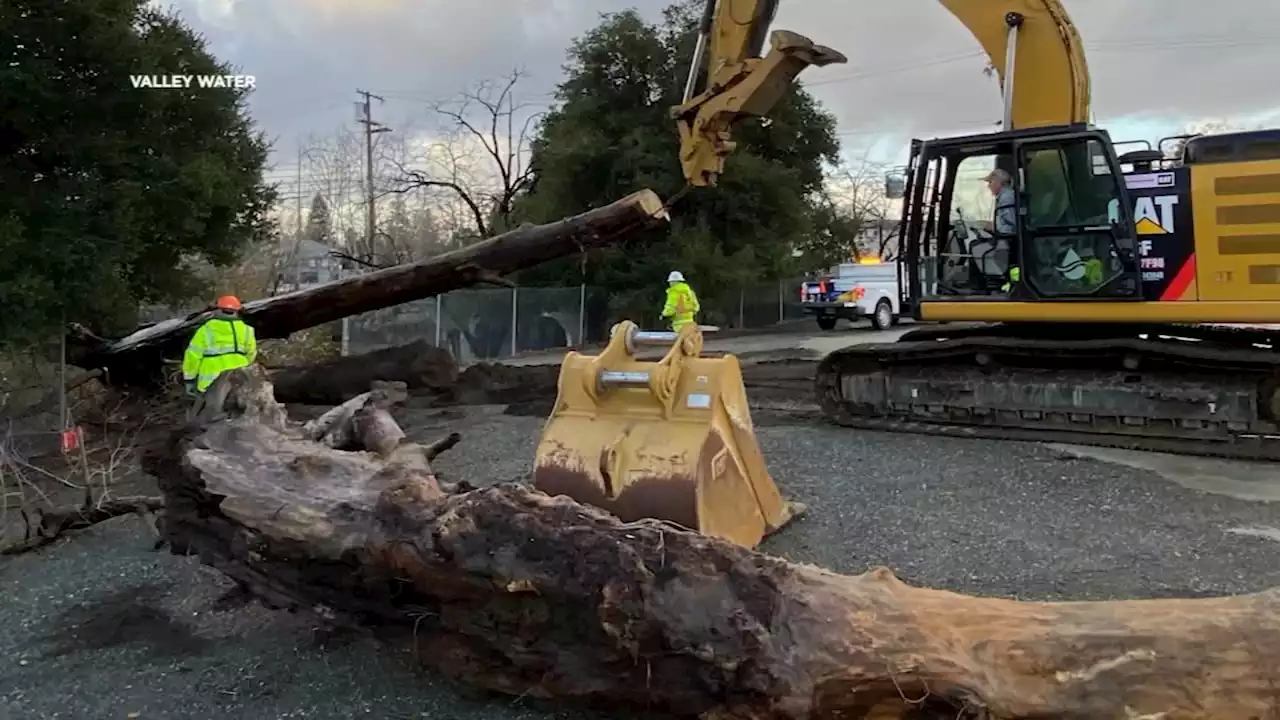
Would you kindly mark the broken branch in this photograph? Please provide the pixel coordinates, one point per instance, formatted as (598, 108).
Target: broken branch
(437, 447)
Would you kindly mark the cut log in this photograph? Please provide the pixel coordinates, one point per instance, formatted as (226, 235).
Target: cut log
(346, 428)
(419, 365)
(514, 591)
(138, 356)
(422, 368)
(377, 432)
(526, 389)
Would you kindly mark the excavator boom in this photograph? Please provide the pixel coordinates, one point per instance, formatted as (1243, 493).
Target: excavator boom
(1047, 60)
(1050, 75)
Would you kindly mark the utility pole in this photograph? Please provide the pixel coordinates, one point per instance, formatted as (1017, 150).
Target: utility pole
(365, 118)
(295, 252)
(298, 205)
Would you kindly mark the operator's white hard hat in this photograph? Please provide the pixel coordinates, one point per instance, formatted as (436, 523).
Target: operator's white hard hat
(675, 276)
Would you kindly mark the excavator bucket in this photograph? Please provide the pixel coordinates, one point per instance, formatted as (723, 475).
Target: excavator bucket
(670, 439)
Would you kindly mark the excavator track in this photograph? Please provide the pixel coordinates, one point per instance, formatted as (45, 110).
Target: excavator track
(1195, 390)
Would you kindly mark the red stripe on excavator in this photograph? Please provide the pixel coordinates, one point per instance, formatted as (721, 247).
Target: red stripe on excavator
(1178, 286)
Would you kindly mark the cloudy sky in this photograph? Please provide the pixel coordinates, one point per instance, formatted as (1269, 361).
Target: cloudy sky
(913, 70)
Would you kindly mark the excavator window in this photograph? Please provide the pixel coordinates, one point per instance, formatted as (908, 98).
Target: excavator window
(1065, 244)
(973, 257)
(1069, 244)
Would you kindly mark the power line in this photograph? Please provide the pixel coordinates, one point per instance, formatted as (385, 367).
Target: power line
(889, 70)
(957, 124)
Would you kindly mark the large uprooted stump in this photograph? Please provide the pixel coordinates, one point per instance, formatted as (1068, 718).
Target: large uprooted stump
(511, 590)
(138, 356)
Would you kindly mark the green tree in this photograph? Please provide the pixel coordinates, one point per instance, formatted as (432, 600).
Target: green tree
(611, 134)
(115, 195)
(320, 222)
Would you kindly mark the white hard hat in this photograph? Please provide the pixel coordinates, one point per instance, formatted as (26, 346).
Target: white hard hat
(675, 276)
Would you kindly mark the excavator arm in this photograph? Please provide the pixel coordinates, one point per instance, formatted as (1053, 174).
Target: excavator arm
(738, 82)
(1033, 42)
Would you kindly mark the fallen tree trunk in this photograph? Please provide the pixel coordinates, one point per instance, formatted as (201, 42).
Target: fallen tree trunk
(138, 355)
(514, 591)
(419, 365)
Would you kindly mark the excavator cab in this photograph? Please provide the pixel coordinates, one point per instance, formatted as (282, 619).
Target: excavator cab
(1070, 235)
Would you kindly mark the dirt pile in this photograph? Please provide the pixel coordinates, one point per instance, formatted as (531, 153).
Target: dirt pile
(525, 389)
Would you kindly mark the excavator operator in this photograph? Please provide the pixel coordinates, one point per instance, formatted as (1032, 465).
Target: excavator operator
(1006, 212)
(1005, 220)
(682, 303)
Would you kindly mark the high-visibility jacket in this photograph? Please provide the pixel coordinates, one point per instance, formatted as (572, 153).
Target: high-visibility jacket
(219, 345)
(682, 305)
(1015, 275)
(1092, 275)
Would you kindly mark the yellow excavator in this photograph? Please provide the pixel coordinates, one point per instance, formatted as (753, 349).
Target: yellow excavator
(1110, 308)
(1088, 312)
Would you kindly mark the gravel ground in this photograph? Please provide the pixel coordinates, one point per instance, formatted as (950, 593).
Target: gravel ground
(102, 627)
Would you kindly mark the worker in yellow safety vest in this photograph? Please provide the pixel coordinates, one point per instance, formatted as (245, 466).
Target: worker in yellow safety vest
(223, 343)
(682, 303)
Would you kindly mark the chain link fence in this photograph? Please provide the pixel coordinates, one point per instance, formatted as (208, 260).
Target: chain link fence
(757, 306)
(486, 324)
(481, 325)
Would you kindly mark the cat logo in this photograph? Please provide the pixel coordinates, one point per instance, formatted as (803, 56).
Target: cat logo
(1151, 215)
(1154, 215)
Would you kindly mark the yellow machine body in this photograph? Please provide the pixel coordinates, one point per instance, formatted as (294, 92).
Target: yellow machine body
(1231, 276)
(670, 439)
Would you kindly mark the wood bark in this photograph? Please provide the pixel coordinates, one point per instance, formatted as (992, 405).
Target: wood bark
(419, 365)
(139, 355)
(362, 421)
(511, 590)
(422, 368)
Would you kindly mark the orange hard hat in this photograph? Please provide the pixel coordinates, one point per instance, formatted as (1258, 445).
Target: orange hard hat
(227, 302)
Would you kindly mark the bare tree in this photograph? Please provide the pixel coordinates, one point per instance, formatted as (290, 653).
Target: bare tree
(482, 159)
(333, 177)
(859, 189)
(257, 273)
(335, 167)
(460, 186)
(409, 221)
(1208, 126)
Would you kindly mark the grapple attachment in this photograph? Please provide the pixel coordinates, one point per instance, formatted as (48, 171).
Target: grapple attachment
(670, 439)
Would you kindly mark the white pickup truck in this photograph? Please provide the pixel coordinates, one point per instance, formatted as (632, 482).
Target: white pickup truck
(853, 291)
